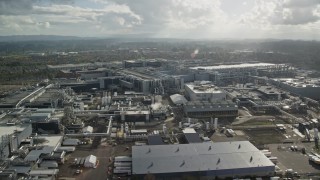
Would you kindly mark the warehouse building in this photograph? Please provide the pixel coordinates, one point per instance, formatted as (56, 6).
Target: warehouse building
(223, 74)
(208, 160)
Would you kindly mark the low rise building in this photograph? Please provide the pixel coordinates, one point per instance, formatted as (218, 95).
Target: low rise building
(205, 109)
(204, 91)
(208, 160)
(299, 86)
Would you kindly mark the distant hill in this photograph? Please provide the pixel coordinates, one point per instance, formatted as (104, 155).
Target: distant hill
(19, 38)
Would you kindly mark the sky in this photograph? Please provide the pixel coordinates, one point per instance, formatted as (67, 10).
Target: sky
(191, 19)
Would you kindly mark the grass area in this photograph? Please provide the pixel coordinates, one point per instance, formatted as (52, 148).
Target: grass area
(256, 123)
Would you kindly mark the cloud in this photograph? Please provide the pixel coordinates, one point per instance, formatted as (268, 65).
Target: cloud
(287, 12)
(165, 18)
(300, 12)
(62, 1)
(301, 3)
(15, 7)
(44, 24)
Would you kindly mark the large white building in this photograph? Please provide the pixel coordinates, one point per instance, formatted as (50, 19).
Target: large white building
(204, 91)
(206, 160)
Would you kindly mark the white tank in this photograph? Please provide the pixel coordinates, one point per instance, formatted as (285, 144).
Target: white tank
(115, 94)
(216, 123)
(207, 125)
(189, 120)
(182, 83)
(152, 99)
(316, 133)
(103, 101)
(121, 128)
(108, 100)
(123, 117)
(81, 106)
(180, 124)
(164, 128)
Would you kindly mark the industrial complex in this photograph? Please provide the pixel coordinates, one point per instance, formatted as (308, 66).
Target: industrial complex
(163, 119)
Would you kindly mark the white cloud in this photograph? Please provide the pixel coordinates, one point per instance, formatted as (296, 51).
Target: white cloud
(165, 18)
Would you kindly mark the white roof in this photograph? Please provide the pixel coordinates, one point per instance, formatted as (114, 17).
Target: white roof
(88, 129)
(188, 130)
(231, 66)
(90, 161)
(203, 88)
(178, 99)
(71, 142)
(44, 172)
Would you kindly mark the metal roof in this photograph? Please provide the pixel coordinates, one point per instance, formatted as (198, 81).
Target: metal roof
(155, 140)
(232, 66)
(179, 158)
(197, 106)
(37, 172)
(51, 143)
(192, 137)
(178, 99)
(20, 169)
(35, 154)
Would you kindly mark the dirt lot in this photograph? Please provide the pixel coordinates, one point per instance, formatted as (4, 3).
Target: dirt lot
(264, 136)
(103, 152)
(6, 88)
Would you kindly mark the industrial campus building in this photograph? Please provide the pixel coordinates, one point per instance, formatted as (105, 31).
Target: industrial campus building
(300, 86)
(222, 160)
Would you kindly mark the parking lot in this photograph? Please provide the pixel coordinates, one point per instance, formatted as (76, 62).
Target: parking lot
(295, 160)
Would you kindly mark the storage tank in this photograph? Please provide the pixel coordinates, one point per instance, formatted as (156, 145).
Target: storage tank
(122, 114)
(207, 125)
(126, 127)
(103, 101)
(121, 128)
(81, 106)
(182, 83)
(147, 117)
(164, 128)
(108, 100)
(216, 123)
